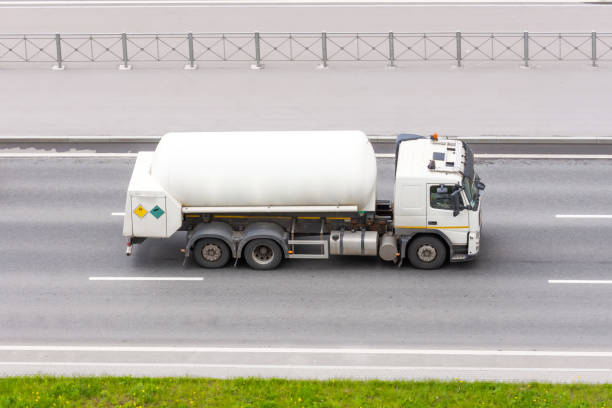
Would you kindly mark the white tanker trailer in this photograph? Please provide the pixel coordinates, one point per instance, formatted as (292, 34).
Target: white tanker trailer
(265, 196)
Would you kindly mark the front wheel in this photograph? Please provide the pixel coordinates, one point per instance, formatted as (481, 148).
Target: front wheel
(263, 254)
(211, 253)
(426, 252)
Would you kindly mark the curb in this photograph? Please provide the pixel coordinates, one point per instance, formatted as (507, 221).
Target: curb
(373, 138)
(79, 139)
(514, 139)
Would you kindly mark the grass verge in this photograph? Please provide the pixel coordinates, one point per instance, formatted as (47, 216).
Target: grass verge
(46, 391)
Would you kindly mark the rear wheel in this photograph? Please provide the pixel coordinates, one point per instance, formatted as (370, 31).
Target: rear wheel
(426, 252)
(211, 253)
(263, 254)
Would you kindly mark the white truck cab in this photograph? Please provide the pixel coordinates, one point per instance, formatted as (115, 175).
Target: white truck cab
(437, 194)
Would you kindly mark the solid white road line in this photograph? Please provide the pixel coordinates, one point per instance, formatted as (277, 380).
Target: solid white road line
(542, 156)
(65, 155)
(581, 281)
(99, 139)
(308, 350)
(523, 156)
(118, 214)
(310, 3)
(144, 278)
(299, 366)
(583, 216)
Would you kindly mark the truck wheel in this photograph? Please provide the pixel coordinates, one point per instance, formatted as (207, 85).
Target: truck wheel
(263, 254)
(426, 252)
(211, 253)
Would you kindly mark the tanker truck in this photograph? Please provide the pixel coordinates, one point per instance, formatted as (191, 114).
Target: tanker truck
(262, 197)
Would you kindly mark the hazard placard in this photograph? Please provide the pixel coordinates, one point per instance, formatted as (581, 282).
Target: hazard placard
(140, 211)
(157, 211)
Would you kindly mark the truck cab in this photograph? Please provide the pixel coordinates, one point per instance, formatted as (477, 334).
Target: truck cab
(437, 201)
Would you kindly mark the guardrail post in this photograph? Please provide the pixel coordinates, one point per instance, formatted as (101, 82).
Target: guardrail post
(323, 50)
(125, 65)
(257, 64)
(526, 49)
(458, 37)
(391, 50)
(192, 64)
(594, 48)
(59, 66)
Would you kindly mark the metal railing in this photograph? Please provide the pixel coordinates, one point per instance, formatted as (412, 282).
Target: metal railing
(324, 48)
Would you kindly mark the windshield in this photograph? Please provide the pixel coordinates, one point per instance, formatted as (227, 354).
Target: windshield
(471, 192)
(469, 178)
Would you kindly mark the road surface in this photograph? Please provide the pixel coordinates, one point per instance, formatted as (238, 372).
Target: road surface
(294, 18)
(475, 320)
(553, 100)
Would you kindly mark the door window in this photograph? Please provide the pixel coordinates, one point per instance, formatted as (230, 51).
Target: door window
(440, 197)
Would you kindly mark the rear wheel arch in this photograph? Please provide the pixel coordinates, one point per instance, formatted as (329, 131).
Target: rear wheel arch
(245, 242)
(214, 230)
(264, 230)
(211, 252)
(263, 253)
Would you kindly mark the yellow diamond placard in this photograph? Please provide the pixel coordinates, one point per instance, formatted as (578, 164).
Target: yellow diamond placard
(140, 211)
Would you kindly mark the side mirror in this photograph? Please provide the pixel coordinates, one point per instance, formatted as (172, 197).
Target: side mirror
(457, 202)
(480, 185)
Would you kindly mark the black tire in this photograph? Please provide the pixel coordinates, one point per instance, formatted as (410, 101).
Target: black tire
(263, 254)
(427, 252)
(211, 253)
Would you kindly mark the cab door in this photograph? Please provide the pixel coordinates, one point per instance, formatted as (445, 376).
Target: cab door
(440, 214)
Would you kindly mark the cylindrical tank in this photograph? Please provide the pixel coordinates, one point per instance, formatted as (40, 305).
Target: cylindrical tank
(388, 247)
(214, 169)
(363, 243)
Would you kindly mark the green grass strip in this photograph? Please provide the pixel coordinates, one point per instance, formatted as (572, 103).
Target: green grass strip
(46, 391)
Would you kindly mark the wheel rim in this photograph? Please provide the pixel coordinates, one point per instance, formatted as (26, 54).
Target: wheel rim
(211, 252)
(262, 254)
(427, 253)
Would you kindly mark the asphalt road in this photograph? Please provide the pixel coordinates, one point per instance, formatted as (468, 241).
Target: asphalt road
(57, 231)
(497, 100)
